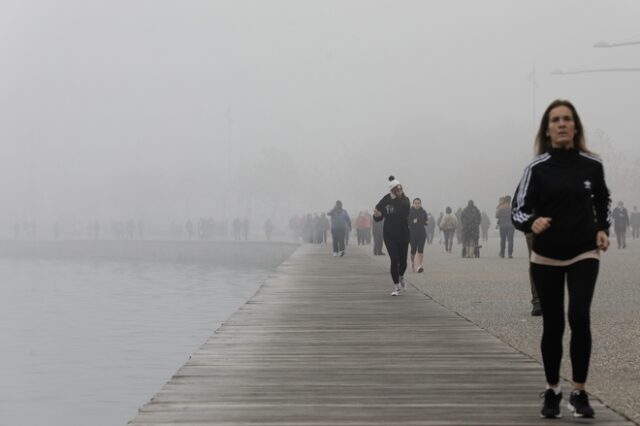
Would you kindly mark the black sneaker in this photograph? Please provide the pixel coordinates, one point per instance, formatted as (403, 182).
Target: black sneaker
(579, 404)
(551, 404)
(536, 311)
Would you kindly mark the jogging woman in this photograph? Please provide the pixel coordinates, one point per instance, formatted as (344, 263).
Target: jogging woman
(418, 234)
(394, 209)
(563, 199)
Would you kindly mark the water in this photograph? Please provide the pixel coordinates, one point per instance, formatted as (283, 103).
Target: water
(89, 343)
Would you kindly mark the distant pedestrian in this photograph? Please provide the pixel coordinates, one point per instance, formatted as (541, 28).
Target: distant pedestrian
(418, 234)
(448, 223)
(268, 229)
(620, 224)
(340, 224)
(367, 226)
(378, 241)
(245, 229)
(470, 219)
(324, 227)
(505, 227)
(394, 209)
(563, 200)
(431, 227)
(485, 224)
(361, 228)
(634, 221)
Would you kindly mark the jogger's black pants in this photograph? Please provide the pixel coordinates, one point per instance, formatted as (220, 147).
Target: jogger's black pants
(337, 235)
(549, 281)
(398, 255)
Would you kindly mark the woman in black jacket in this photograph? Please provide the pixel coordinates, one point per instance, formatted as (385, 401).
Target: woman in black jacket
(563, 199)
(394, 209)
(417, 230)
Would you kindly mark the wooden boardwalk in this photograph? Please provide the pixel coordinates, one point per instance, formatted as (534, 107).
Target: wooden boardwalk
(323, 343)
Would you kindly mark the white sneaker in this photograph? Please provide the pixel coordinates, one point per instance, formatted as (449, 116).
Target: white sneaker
(335, 254)
(396, 290)
(403, 285)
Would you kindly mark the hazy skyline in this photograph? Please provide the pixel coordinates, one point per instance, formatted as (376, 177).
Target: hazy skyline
(167, 110)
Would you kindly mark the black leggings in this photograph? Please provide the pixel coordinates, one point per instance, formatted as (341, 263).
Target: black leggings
(417, 243)
(398, 254)
(549, 281)
(338, 236)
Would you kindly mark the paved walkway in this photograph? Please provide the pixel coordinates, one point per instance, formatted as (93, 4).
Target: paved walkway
(322, 342)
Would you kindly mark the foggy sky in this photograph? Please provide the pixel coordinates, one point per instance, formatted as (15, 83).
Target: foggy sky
(173, 109)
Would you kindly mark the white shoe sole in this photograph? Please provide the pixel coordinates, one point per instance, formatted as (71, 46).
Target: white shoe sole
(576, 414)
(557, 416)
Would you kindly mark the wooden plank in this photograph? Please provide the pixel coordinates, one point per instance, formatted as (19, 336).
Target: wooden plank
(324, 343)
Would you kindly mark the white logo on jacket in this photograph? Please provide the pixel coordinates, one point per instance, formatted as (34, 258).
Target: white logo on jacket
(587, 184)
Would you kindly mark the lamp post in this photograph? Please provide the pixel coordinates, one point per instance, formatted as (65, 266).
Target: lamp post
(602, 44)
(597, 70)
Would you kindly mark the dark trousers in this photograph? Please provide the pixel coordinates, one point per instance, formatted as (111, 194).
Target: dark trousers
(337, 235)
(398, 255)
(635, 232)
(417, 243)
(581, 280)
(506, 238)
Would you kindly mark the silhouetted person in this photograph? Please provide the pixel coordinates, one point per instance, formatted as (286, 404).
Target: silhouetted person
(449, 224)
(506, 228)
(620, 224)
(431, 228)
(470, 218)
(237, 228)
(245, 229)
(634, 221)
(189, 228)
(268, 229)
(324, 226)
(485, 224)
(340, 225)
(377, 229)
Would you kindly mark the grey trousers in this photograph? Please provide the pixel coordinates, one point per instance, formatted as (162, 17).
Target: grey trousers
(534, 292)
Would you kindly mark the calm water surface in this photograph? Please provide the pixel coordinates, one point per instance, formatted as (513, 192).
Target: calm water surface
(89, 343)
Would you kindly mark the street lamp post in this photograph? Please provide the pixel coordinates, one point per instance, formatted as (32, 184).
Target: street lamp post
(602, 44)
(598, 70)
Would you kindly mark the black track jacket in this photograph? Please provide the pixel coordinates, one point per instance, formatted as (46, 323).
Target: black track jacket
(569, 187)
(395, 212)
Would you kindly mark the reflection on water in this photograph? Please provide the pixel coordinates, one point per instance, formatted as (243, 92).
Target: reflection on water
(87, 344)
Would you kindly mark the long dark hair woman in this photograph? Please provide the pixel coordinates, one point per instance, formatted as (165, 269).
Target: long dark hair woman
(563, 200)
(394, 209)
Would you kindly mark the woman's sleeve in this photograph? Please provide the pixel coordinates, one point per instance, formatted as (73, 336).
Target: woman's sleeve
(602, 202)
(523, 212)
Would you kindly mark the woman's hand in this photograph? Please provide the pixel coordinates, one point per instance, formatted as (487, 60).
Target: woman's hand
(377, 213)
(540, 225)
(602, 240)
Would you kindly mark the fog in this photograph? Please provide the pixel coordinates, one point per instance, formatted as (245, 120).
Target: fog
(167, 110)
